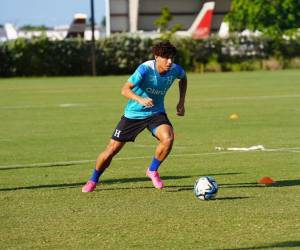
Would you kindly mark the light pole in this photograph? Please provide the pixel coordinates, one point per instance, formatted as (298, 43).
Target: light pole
(107, 17)
(94, 72)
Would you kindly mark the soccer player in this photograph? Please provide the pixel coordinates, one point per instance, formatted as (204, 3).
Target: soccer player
(146, 90)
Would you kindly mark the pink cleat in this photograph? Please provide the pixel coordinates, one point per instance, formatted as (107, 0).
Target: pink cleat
(154, 176)
(90, 186)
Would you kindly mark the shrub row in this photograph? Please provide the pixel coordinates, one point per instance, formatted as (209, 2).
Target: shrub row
(120, 54)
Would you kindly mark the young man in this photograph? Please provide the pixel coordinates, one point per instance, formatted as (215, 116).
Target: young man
(146, 90)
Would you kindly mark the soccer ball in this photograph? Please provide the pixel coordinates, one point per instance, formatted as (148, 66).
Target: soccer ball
(206, 188)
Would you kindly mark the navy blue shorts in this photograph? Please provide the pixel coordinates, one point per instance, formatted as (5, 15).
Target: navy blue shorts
(128, 129)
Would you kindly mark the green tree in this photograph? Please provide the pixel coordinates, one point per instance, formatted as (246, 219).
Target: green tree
(162, 23)
(34, 28)
(272, 17)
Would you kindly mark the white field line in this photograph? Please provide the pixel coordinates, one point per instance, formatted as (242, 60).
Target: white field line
(66, 163)
(62, 105)
(259, 149)
(154, 146)
(70, 105)
(62, 163)
(249, 97)
(46, 164)
(77, 105)
(292, 150)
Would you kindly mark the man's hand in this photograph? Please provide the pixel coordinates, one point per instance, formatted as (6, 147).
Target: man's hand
(180, 109)
(127, 92)
(147, 102)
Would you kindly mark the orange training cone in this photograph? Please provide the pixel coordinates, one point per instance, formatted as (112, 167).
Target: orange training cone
(266, 180)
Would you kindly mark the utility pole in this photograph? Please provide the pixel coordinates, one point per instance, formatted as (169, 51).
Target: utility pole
(94, 72)
(107, 17)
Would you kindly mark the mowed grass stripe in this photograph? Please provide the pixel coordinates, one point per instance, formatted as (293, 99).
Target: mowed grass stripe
(68, 163)
(43, 207)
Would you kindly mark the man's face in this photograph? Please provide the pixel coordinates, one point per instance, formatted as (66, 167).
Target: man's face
(164, 63)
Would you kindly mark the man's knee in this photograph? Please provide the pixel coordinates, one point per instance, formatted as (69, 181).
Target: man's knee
(113, 147)
(167, 140)
(111, 150)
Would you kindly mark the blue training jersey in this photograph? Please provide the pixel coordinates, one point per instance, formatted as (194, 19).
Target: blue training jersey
(149, 83)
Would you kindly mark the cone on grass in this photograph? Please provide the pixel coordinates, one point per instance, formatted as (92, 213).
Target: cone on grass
(234, 117)
(266, 180)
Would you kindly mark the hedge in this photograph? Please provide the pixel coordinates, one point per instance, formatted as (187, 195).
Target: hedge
(121, 54)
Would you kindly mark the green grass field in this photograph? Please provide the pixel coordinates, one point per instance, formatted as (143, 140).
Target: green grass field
(52, 130)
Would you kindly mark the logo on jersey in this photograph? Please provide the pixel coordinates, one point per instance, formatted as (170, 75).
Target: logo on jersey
(169, 80)
(156, 91)
(117, 133)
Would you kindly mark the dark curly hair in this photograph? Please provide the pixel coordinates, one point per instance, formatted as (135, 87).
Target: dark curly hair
(164, 49)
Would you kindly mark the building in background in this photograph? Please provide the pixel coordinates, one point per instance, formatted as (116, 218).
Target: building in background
(139, 15)
(78, 28)
(198, 18)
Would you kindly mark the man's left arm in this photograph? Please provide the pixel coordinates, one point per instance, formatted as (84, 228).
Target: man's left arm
(182, 91)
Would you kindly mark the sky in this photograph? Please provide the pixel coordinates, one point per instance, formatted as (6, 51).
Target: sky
(47, 12)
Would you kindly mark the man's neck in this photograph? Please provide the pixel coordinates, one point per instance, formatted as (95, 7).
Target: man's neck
(160, 70)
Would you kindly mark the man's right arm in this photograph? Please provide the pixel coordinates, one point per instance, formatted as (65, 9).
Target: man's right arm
(128, 93)
(182, 91)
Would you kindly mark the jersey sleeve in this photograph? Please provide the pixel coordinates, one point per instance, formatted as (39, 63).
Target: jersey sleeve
(137, 77)
(180, 72)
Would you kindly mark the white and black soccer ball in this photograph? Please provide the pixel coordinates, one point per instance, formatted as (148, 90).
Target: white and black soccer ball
(206, 188)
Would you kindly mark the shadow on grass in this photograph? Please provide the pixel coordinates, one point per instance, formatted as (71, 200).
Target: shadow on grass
(110, 181)
(42, 165)
(287, 183)
(142, 179)
(190, 188)
(275, 245)
(169, 188)
(55, 186)
(233, 198)
(242, 185)
(283, 183)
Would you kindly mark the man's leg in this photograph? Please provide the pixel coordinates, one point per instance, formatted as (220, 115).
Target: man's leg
(103, 161)
(165, 135)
